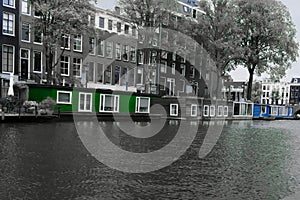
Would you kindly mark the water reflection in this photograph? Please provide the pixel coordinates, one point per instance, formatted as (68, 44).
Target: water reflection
(251, 160)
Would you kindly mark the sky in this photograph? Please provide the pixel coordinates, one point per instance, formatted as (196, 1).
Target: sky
(241, 74)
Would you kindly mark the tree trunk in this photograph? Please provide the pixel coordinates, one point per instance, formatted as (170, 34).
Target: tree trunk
(249, 88)
(49, 59)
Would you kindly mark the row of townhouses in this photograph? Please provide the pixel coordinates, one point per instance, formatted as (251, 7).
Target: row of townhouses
(117, 57)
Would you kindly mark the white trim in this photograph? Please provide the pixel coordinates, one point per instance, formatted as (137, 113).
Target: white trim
(13, 59)
(212, 112)
(116, 102)
(176, 110)
(74, 43)
(29, 5)
(196, 111)
(80, 70)
(137, 104)
(91, 102)
(64, 92)
(69, 60)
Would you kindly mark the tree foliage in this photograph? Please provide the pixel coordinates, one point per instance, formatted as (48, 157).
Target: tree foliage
(267, 38)
(57, 18)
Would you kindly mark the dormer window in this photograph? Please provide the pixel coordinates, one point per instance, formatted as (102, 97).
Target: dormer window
(295, 80)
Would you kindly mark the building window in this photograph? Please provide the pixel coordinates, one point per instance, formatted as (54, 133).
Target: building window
(25, 32)
(26, 7)
(119, 27)
(109, 49)
(220, 111)
(77, 66)
(64, 97)
(118, 51)
(163, 67)
(107, 75)
(37, 36)
(99, 77)
(77, 43)
(194, 110)
(9, 3)
(109, 103)
(173, 68)
(132, 54)
(101, 22)
(163, 83)
(192, 72)
(92, 46)
(8, 24)
(174, 110)
(8, 58)
(126, 29)
(141, 57)
(100, 47)
(91, 72)
(133, 31)
(64, 65)
(65, 41)
(37, 61)
(125, 52)
(182, 69)
(110, 25)
(139, 77)
(206, 111)
(85, 102)
(117, 75)
(142, 105)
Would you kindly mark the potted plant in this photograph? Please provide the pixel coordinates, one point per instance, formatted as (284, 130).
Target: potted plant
(48, 104)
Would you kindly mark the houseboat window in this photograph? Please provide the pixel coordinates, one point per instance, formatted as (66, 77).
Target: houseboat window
(174, 110)
(64, 97)
(194, 110)
(220, 111)
(206, 111)
(142, 105)
(212, 111)
(249, 109)
(109, 103)
(85, 102)
(225, 111)
(274, 110)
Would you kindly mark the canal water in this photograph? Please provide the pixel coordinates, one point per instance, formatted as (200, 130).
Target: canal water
(250, 160)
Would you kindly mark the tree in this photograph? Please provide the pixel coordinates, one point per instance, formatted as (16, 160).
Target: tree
(267, 38)
(58, 18)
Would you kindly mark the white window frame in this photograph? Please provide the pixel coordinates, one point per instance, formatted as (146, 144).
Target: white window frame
(137, 104)
(111, 46)
(28, 6)
(91, 102)
(193, 107)
(176, 110)
(13, 23)
(118, 51)
(206, 111)
(28, 67)
(225, 111)
(63, 37)
(163, 67)
(220, 114)
(142, 75)
(27, 41)
(116, 103)
(76, 39)
(133, 52)
(63, 92)
(65, 63)
(173, 68)
(103, 22)
(212, 112)
(142, 56)
(38, 43)
(41, 62)
(77, 64)
(101, 44)
(10, 6)
(13, 59)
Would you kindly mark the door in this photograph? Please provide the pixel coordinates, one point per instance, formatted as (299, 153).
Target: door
(171, 86)
(24, 61)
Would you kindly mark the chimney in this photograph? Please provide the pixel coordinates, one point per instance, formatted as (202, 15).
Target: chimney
(118, 10)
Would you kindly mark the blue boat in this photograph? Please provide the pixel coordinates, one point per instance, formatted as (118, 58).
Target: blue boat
(270, 112)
